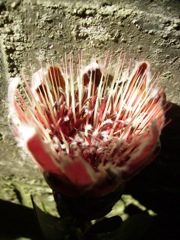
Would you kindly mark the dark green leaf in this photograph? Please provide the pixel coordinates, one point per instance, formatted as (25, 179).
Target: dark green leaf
(105, 225)
(133, 228)
(54, 228)
(50, 225)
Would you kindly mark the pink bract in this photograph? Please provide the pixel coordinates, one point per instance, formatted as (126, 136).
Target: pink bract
(94, 127)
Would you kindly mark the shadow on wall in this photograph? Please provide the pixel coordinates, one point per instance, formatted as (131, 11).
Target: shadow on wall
(158, 186)
(169, 6)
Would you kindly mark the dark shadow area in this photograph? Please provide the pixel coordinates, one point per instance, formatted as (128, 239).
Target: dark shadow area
(158, 186)
(171, 6)
(18, 221)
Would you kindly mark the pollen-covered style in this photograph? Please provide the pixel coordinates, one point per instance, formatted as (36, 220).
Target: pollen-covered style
(94, 127)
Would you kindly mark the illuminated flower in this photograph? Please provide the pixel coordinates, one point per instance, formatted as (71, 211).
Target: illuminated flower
(90, 129)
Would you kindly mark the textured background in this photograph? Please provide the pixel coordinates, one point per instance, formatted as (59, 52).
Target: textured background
(37, 30)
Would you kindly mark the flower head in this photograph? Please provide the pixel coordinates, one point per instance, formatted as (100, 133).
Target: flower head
(93, 128)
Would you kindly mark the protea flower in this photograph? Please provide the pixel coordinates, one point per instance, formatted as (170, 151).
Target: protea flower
(89, 130)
